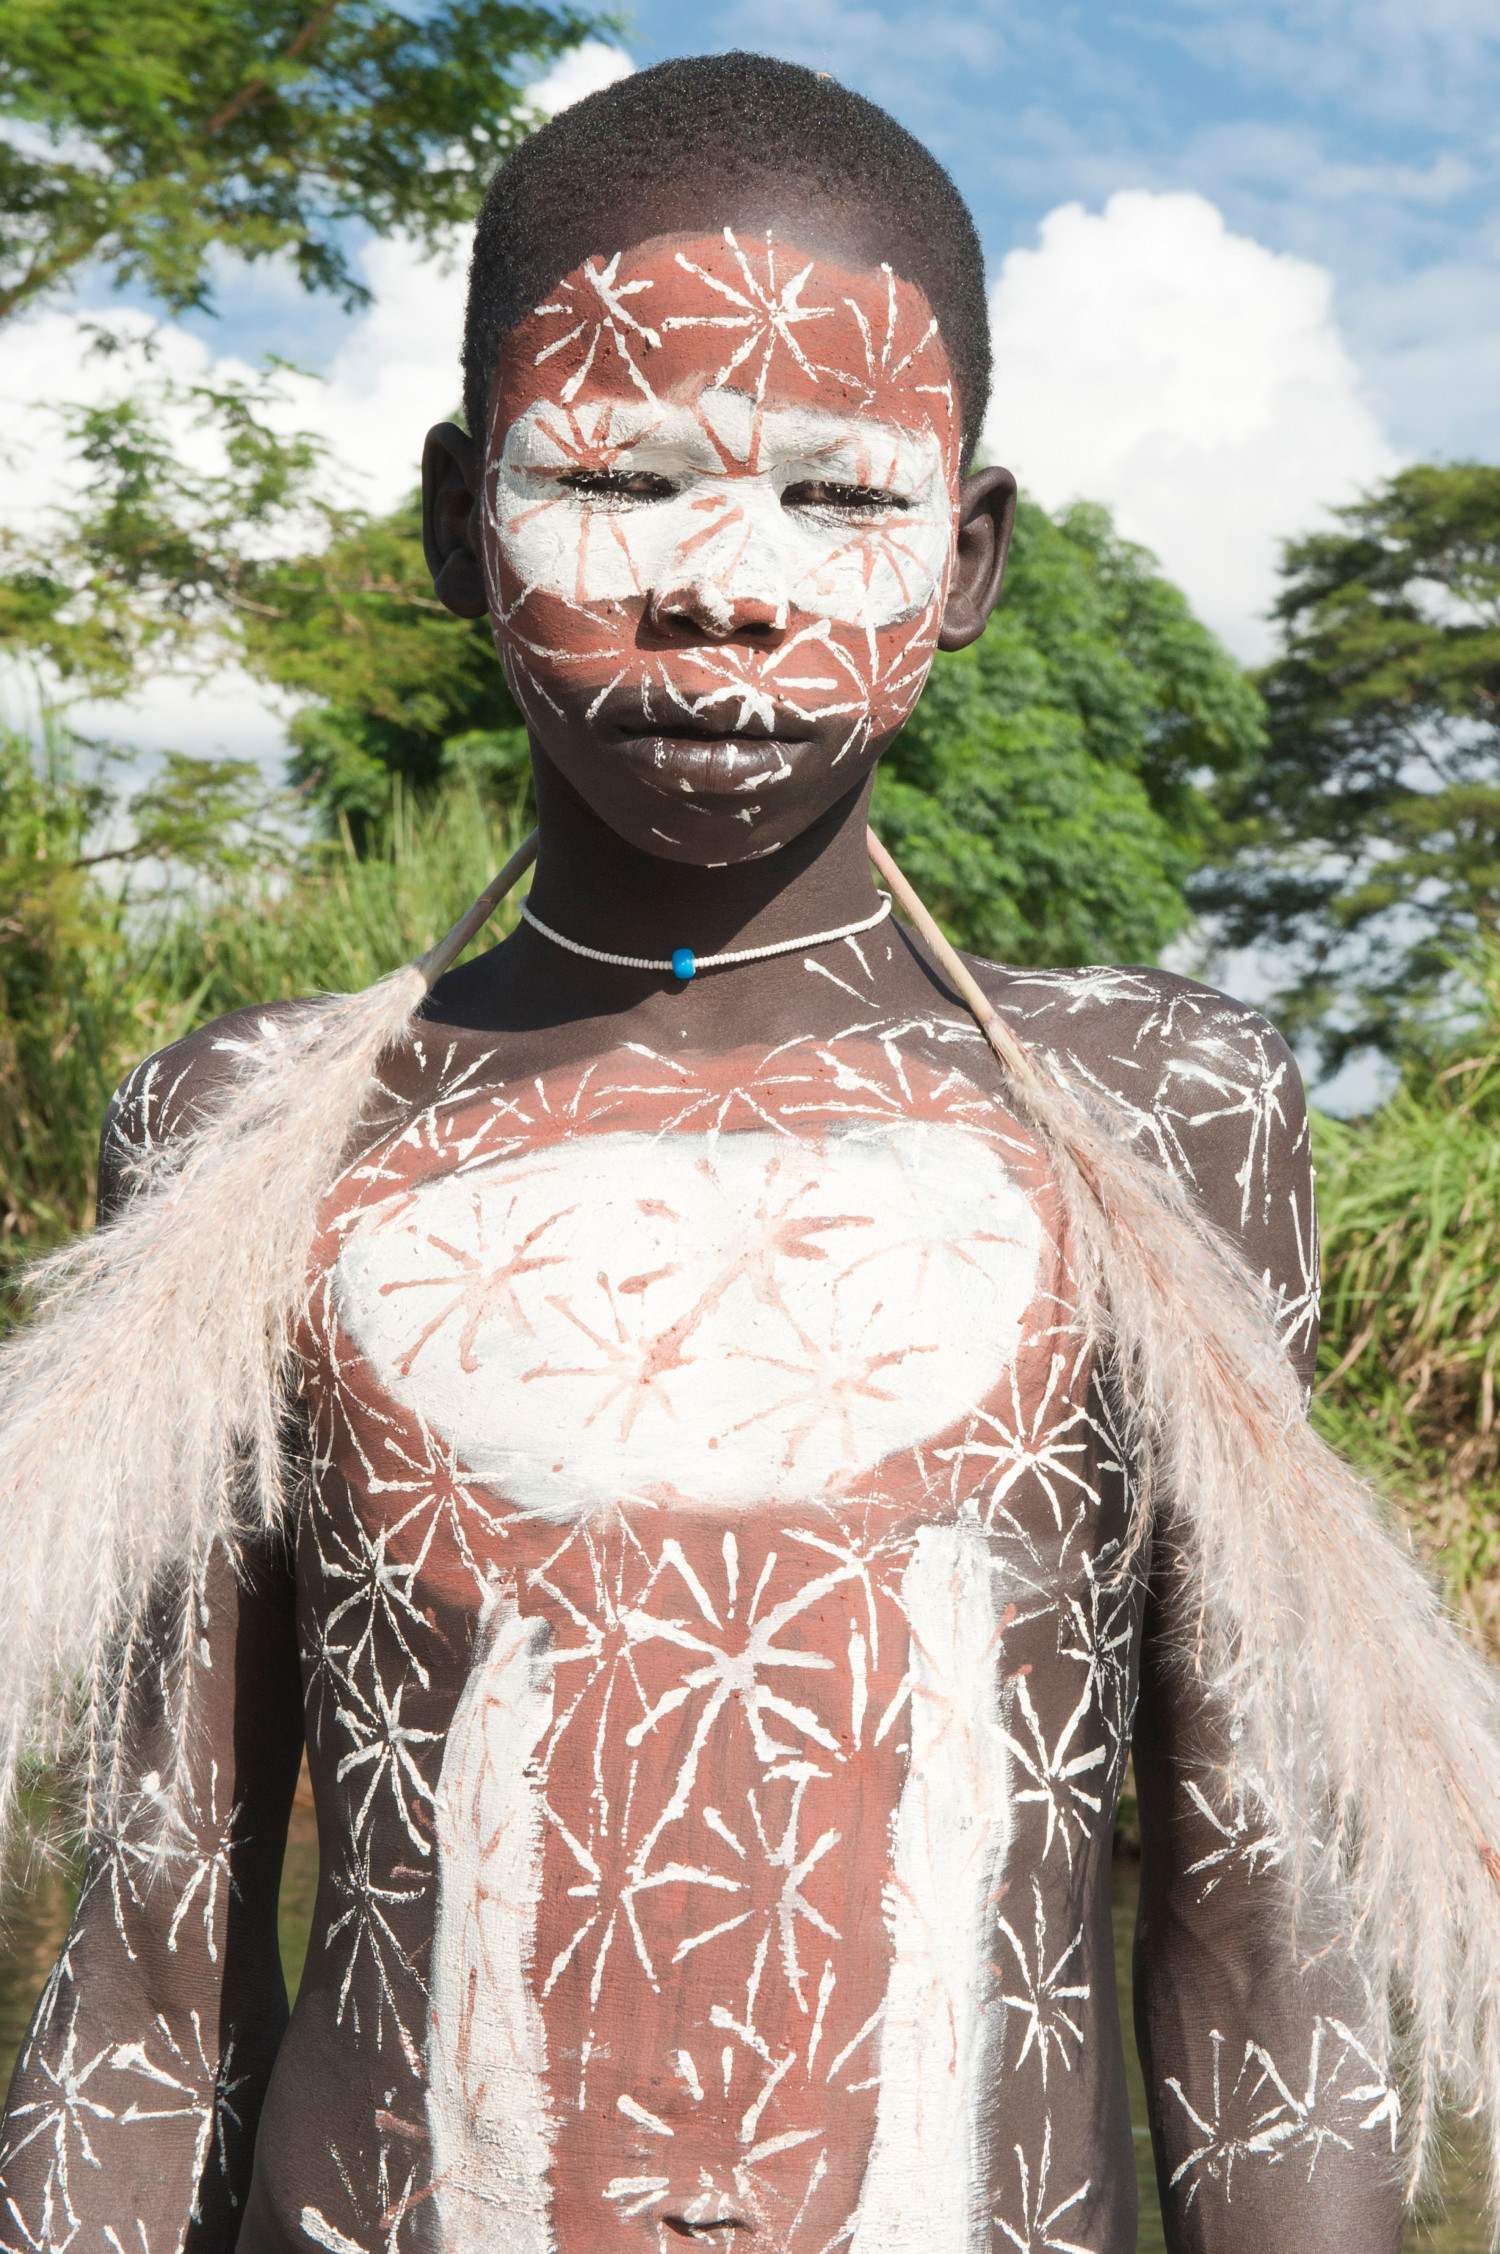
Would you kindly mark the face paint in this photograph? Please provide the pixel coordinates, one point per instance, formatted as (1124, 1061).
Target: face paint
(719, 515)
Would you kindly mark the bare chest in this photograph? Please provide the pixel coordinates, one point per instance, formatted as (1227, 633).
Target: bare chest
(719, 1503)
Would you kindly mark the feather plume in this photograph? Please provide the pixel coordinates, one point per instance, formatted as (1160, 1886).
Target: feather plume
(142, 1404)
(1358, 1717)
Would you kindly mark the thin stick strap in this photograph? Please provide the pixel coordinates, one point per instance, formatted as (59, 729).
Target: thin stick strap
(1007, 1048)
(445, 954)
(994, 1028)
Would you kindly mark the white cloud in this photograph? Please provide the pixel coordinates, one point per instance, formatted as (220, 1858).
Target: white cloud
(585, 70)
(1189, 377)
(396, 372)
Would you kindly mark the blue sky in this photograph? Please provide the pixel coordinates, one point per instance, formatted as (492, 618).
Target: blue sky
(1361, 134)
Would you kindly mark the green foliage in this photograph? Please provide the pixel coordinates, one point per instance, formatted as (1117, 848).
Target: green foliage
(1046, 797)
(167, 130)
(401, 688)
(339, 919)
(1368, 842)
(1409, 1202)
(186, 489)
(125, 922)
(88, 884)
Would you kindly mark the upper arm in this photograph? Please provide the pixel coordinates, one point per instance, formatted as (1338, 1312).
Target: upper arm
(168, 1995)
(1231, 1097)
(1207, 1088)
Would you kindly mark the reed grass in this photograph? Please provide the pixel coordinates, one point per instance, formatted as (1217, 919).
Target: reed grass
(95, 974)
(1409, 1201)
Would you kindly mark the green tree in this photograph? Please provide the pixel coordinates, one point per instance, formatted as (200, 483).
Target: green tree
(1047, 796)
(166, 130)
(167, 540)
(397, 688)
(1368, 840)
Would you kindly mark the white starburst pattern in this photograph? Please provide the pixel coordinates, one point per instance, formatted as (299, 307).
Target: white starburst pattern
(186, 2081)
(1037, 2223)
(364, 1928)
(1097, 1628)
(372, 2216)
(1263, 2116)
(764, 313)
(1298, 1300)
(64, 2118)
(1050, 1996)
(595, 309)
(1242, 1837)
(382, 1755)
(1027, 1443)
(191, 1846)
(1063, 1782)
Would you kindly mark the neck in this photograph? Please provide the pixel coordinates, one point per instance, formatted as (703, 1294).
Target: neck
(596, 889)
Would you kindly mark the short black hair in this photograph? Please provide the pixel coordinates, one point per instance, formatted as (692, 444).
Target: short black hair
(725, 124)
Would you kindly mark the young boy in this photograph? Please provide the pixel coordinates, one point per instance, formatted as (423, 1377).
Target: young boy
(712, 1609)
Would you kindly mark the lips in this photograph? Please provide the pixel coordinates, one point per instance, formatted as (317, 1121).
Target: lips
(691, 763)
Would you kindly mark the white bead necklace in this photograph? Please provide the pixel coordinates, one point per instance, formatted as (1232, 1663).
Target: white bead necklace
(684, 964)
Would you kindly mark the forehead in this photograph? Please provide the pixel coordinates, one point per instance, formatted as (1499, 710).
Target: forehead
(757, 313)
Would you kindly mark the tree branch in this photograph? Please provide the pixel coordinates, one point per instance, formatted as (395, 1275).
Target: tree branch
(257, 86)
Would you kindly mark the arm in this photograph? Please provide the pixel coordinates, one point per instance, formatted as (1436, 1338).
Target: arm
(132, 2113)
(131, 2121)
(1272, 2126)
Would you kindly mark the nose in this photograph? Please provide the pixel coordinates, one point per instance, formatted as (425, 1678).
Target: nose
(704, 606)
(728, 575)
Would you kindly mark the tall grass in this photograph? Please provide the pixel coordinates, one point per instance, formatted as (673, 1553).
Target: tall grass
(96, 973)
(1409, 1201)
(338, 919)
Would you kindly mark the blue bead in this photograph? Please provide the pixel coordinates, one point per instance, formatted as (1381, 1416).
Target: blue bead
(684, 963)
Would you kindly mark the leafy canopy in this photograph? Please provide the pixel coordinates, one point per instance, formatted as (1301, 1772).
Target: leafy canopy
(1047, 796)
(1368, 841)
(156, 133)
(187, 488)
(398, 690)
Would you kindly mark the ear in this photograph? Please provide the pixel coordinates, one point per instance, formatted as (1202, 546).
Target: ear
(986, 519)
(451, 474)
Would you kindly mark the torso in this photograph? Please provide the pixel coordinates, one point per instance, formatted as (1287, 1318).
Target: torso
(720, 1631)
(719, 1656)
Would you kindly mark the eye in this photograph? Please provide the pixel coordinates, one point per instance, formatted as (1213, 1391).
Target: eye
(848, 500)
(618, 485)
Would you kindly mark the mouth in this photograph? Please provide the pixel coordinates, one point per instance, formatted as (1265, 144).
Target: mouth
(690, 763)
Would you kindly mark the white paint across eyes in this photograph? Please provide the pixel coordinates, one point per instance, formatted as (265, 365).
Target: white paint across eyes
(726, 524)
(696, 1318)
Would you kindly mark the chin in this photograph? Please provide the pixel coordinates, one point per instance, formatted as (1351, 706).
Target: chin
(708, 801)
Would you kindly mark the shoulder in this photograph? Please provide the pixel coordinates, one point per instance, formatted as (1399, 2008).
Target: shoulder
(1205, 1084)
(166, 1094)
(1160, 1044)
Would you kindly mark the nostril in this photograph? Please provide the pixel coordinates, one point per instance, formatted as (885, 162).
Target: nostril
(685, 2229)
(707, 608)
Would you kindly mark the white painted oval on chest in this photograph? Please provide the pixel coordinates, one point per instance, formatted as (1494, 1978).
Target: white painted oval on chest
(717, 1319)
